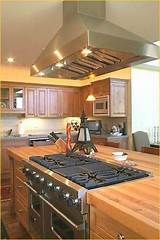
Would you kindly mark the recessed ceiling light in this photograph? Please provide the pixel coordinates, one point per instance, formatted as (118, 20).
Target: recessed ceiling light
(59, 64)
(10, 60)
(41, 74)
(58, 54)
(86, 51)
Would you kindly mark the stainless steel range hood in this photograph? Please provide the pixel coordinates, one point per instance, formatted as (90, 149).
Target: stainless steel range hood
(87, 43)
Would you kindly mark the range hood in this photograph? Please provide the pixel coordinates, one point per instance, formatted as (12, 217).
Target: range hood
(88, 44)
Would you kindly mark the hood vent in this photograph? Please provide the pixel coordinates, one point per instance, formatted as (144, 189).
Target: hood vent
(87, 44)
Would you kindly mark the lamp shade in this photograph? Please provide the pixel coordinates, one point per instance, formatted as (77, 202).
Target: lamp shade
(90, 98)
(84, 139)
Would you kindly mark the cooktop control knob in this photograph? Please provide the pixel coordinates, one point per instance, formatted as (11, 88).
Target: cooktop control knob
(66, 195)
(73, 202)
(50, 185)
(42, 179)
(33, 172)
(37, 176)
(57, 188)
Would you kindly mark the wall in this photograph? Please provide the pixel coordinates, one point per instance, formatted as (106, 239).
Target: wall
(145, 101)
(26, 126)
(139, 17)
(12, 73)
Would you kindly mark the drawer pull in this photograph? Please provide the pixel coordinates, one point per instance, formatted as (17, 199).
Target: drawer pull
(120, 236)
(19, 186)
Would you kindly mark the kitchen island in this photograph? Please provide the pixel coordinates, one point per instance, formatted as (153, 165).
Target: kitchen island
(122, 211)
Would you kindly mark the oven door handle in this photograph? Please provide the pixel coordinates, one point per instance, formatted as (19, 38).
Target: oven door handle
(77, 227)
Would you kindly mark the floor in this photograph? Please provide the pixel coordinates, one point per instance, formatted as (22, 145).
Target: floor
(13, 228)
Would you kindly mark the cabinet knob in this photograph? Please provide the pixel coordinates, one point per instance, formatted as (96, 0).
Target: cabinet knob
(120, 236)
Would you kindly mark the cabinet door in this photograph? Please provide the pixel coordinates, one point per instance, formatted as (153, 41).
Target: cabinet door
(67, 103)
(100, 88)
(31, 102)
(76, 104)
(118, 98)
(5, 99)
(54, 103)
(42, 102)
(17, 99)
(87, 106)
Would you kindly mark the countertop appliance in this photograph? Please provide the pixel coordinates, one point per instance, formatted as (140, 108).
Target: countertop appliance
(101, 106)
(87, 43)
(95, 126)
(58, 197)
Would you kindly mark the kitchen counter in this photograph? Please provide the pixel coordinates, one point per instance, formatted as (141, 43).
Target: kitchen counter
(138, 200)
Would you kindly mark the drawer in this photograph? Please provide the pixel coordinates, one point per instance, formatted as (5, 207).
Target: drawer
(22, 213)
(18, 168)
(21, 191)
(94, 235)
(108, 228)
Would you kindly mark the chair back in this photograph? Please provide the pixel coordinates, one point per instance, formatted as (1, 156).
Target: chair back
(140, 140)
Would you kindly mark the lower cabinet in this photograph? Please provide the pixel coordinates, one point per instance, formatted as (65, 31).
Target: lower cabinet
(6, 164)
(104, 226)
(123, 141)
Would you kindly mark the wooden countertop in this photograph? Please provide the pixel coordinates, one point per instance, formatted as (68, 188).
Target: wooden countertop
(137, 200)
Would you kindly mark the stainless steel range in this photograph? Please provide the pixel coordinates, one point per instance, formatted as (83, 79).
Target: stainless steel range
(58, 207)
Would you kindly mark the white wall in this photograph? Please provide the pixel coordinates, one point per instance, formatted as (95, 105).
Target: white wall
(145, 100)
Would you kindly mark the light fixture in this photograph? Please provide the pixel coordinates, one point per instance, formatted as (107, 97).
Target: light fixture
(41, 74)
(58, 54)
(10, 60)
(35, 68)
(91, 97)
(59, 64)
(85, 52)
(84, 142)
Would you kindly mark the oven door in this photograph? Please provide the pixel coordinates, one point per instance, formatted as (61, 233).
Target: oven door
(58, 226)
(35, 214)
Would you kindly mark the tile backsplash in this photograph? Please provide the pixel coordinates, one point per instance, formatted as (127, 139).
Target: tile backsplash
(25, 126)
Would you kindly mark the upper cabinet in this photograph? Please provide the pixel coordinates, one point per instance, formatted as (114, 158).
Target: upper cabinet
(86, 106)
(12, 99)
(115, 88)
(118, 98)
(52, 102)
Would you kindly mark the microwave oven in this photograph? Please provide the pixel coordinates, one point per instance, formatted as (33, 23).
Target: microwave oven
(101, 106)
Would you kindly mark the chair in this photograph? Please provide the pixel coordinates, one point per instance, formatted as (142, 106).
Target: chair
(140, 139)
(151, 150)
(112, 144)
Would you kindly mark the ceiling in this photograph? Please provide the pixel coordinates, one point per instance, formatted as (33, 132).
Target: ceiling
(27, 26)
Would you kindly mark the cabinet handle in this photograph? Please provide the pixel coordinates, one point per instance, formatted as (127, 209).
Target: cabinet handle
(19, 187)
(20, 210)
(120, 236)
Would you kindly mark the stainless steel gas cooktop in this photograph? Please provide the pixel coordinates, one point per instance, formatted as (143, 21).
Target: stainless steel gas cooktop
(88, 172)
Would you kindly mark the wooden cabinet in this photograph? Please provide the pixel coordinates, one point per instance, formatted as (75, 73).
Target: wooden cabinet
(122, 140)
(101, 88)
(20, 193)
(54, 103)
(42, 102)
(31, 102)
(87, 106)
(6, 165)
(118, 98)
(103, 226)
(12, 99)
(70, 103)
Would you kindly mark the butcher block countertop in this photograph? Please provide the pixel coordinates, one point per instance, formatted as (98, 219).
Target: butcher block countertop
(137, 200)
